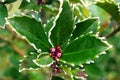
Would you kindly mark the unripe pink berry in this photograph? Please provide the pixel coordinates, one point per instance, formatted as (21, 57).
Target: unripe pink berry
(52, 50)
(59, 54)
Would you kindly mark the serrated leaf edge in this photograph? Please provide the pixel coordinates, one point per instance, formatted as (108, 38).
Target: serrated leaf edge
(32, 44)
(54, 23)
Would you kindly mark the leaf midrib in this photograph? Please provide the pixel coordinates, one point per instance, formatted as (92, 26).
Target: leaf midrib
(71, 53)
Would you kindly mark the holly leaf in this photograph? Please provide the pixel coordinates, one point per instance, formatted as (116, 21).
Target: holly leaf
(32, 30)
(64, 25)
(31, 5)
(111, 7)
(49, 25)
(84, 27)
(83, 49)
(27, 63)
(43, 60)
(3, 14)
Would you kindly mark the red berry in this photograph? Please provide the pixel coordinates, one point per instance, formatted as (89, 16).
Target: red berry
(55, 53)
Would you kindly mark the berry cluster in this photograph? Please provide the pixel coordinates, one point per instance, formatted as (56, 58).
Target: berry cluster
(55, 68)
(55, 53)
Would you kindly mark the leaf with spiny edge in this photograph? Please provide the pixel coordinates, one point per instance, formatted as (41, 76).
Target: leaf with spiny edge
(32, 30)
(43, 60)
(85, 26)
(64, 25)
(111, 7)
(32, 5)
(27, 63)
(49, 25)
(72, 70)
(84, 49)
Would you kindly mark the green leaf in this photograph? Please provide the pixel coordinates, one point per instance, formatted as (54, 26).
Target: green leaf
(85, 26)
(29, 5)
(43, 60)
(83, 49)
(28, 63)
(49, 25)
(63, 27)
(3, 14)
(32, 30)
(10, 1)
(111, 7)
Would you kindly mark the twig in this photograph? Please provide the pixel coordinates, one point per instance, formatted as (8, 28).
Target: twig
(18, 50)
(112, 33)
